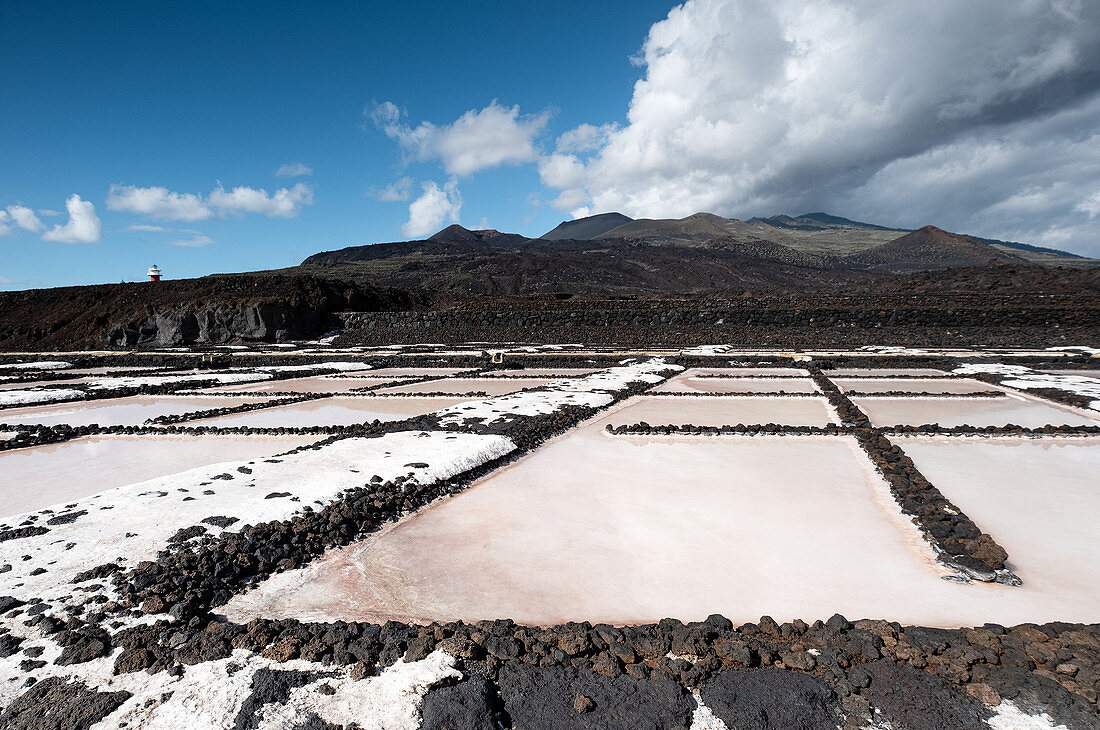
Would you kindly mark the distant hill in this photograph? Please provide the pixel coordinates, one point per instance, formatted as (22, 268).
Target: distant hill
(458, 233)
(583, 229)
(819, 222)
(931, 247)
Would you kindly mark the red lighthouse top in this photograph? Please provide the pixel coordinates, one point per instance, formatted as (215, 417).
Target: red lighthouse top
(154, 273)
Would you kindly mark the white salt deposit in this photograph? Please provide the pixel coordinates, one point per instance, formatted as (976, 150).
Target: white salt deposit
(37, 365)
(703, 718)
(593, 391)
(45, 395)
(181, 380)
(949, 412)
(131, 411)
(335, 411)
(912, 385)
(1025, 378)
(41, 476)
(1079, 373)
(718, 411)
(209, 696)
(1007, 716)
(708, 350)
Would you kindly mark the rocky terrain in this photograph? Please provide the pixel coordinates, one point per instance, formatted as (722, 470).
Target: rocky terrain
(212, 309)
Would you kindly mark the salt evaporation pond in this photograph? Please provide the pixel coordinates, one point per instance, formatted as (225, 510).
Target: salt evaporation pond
(913, 385)
(335, 411)
(719, 411)
(884, 372)
(408, 372)
(41, 476)
(690, 384)
(460, 386)
(748, 372)
(549, 372)
(949, 412)
(321, 384)
(634, 529)
(1039, 498)
(130, 411)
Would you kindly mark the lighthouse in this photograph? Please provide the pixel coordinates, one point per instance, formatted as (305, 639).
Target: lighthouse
(154, 273)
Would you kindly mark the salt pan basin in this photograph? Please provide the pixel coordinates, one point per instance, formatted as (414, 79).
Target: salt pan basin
(719, 411)
(299, 385)
(950, 412)
(461, 386)
(749, 372)
(1039, 498)
(695, 384)
(335, 411)
(41, 476)
(408, 372)
(913, 385)
(131, 411)
(884, 372)
(633, 529)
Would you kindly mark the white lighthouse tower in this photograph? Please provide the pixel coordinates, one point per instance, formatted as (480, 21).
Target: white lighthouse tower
(154, 273)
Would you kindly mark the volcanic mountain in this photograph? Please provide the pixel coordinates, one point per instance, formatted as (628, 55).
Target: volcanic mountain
(700, 254)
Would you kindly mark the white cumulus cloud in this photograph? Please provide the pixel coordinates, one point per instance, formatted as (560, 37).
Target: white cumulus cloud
(395, 192)
(293, 169)
(283, 203)
(161, 203)
(432, 209)
(977, 114)
(158, 202)
(18, 216)
(478, 140)
(25, 218)
(83, 225)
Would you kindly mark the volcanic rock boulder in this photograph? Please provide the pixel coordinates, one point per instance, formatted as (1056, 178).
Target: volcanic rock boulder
(54, 704)
(770, 699)
(546, 697)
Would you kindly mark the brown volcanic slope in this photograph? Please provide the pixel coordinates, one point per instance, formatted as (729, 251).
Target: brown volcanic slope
(212, 309)
(930, 248)
(513, 265)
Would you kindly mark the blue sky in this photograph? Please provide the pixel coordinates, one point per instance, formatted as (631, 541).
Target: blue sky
(184, 95)
(389, 120)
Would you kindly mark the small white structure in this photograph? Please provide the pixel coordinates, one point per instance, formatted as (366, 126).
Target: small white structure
(154, 273)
